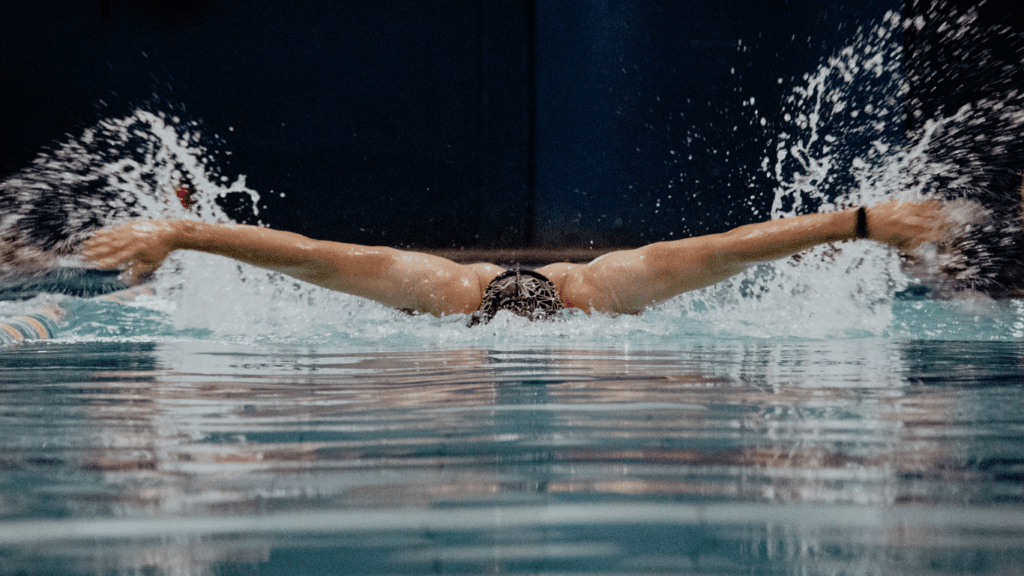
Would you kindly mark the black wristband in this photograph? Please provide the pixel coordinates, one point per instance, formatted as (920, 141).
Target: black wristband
(862, 223)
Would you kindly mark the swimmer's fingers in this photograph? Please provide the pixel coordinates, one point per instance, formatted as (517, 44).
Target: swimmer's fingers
(110, 248)
(907, 225)
(103, 251)
(137, 273)
(138, 248)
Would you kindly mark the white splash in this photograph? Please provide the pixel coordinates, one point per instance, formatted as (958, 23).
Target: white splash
(118, 170)
(842, 144)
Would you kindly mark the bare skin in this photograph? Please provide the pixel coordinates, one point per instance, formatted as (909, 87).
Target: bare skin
(622, 282)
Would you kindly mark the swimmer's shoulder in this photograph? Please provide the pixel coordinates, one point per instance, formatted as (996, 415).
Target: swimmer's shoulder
(485, 272)
(558, 273)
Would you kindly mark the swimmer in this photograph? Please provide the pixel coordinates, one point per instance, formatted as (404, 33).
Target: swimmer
(620, 282)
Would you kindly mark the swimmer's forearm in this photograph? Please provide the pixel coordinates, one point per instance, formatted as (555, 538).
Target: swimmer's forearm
(394, 277)
(346, 267)
(671, 268)
(274, 249)
(902, 225)
(634, 279)
(698, 262)
(776, 239)
(630, 280)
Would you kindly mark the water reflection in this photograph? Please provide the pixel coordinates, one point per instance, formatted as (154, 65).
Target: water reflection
(146, 435)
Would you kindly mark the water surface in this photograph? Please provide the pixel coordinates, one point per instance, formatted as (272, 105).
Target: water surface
(874, 456)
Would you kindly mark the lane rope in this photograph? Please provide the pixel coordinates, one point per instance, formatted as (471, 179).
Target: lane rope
(43, 323)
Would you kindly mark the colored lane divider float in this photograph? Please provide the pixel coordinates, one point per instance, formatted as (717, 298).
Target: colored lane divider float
(39, 325)
(43, 323)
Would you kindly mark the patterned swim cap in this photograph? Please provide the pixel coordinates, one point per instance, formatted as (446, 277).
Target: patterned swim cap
(523, 292)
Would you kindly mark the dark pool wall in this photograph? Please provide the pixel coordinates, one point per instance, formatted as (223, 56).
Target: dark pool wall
(446, 123)
(648, 112)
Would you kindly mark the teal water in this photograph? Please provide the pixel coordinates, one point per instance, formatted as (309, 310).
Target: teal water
(659, 444)
(822, 415)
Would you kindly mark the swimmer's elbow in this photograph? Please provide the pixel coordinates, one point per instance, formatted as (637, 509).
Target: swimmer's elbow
(311, 262)
(711, 255)
(681, 266)
(359, 270)
(728, 253)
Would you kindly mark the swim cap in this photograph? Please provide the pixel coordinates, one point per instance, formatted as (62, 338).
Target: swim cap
(523, 292)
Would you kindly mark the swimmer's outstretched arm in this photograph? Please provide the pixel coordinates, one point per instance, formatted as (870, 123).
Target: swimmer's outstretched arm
(409, 280)
(628, 281)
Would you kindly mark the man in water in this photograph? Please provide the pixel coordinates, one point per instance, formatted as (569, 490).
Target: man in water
(621, 282)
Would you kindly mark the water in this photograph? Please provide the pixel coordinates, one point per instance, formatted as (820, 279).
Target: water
(835, 414)
(870, 456)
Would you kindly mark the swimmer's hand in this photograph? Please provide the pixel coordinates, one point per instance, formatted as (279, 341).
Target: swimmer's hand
(907, 225)
(137, 249)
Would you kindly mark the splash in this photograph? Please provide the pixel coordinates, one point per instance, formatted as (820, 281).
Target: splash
(842, 130)
(152, 165)
(924, 106)
(914, 107)
(117, 170)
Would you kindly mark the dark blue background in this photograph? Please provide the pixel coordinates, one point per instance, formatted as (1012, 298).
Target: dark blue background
(447, 123)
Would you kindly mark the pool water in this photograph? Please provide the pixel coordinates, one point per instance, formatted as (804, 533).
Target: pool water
(598, 447)
(821, 415)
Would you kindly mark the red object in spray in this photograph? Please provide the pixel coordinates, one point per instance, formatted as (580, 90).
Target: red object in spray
(184, 194)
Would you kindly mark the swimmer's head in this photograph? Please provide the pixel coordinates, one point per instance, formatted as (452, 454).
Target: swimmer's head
(523, 292)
